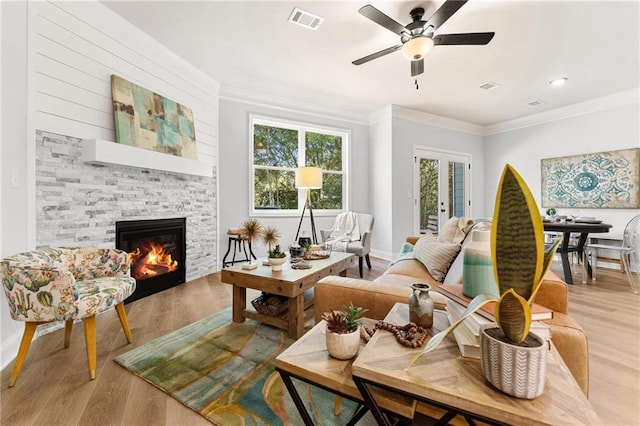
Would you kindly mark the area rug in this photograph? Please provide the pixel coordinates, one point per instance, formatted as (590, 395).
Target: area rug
(225, 372)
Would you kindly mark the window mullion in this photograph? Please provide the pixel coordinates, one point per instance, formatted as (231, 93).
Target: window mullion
(302, 152)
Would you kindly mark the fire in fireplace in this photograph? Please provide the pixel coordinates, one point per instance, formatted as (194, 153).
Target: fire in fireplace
(151, 259)
(157, 253)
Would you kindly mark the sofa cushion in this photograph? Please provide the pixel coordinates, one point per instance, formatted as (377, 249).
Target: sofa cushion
(410, 268)
(436, 256)
(453, 230)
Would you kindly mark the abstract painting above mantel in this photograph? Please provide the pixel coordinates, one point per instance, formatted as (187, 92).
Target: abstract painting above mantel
(145, 119)
(602, 180)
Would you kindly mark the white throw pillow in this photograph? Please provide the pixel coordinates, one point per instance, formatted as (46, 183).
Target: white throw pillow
(435, 256)
(454, 230)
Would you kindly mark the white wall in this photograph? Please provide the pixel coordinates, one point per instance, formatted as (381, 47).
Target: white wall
(234, 169)
(76, 48)
(57, 59)
(381, 178)
(406, 135)
(606, 130)
(13, 153)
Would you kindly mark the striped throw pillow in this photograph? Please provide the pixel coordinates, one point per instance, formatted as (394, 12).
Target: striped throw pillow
(435, 256)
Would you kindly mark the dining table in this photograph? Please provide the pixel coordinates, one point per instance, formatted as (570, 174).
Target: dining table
(584, 228)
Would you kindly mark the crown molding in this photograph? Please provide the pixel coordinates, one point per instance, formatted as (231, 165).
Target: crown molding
(291, 105)
(436, 120)
(238, 94)
(384, 113)
(593, 105)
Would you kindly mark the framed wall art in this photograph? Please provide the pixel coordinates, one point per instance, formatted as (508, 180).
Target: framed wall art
(601, 180)
(148, 120)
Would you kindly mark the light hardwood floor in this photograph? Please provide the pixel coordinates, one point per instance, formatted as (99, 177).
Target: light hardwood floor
(54, 387)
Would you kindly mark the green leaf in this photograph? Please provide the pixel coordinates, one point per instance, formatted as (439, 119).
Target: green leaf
(513, 315)
(517, 238)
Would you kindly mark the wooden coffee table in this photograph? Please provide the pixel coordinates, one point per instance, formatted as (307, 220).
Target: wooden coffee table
(445, 379)
(289, 282)
(307, 359)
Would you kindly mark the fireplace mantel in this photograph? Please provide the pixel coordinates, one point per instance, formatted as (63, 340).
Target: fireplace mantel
(107, 152)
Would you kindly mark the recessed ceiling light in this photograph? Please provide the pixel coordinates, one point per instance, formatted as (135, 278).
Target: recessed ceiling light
(558, 81)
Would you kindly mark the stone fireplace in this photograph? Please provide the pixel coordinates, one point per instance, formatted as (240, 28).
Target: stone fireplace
(79, 203)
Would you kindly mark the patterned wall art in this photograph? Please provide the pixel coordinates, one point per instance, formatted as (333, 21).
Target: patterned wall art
(148, 120)
(603, 180)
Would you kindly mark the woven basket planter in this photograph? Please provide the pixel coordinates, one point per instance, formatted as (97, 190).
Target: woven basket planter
(515, 370)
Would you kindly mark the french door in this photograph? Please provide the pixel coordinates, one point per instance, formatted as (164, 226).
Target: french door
(441, 187)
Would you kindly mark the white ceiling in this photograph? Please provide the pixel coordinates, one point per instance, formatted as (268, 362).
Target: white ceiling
(250, 47)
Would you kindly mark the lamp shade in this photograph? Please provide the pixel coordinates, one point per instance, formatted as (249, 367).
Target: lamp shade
(309, 177)
(417, 48)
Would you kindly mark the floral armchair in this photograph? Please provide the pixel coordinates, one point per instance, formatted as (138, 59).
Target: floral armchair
(65, 284)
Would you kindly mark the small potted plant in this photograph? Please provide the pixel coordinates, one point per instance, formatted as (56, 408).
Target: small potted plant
(277, 258)
(513, 360)
(306, 247)
(343, 331)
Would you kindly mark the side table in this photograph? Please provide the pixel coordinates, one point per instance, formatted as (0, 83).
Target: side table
(307, 359)
(444, 379)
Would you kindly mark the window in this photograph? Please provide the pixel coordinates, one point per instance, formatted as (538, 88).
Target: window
(278, 148)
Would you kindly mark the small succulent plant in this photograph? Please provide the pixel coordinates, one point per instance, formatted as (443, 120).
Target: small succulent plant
(276, 253)
(343, 322)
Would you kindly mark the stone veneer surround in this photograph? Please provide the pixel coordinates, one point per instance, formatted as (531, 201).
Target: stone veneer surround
(78, 203)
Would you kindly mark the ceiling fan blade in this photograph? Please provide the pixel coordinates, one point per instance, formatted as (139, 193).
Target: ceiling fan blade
(376, 55)
(417, 67)
(445, 12)
(462, 39)
(380, 18)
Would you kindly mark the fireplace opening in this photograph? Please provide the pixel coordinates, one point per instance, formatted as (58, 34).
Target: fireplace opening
(157, 251)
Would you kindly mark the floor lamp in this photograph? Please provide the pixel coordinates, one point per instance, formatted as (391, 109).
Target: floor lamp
(309, 178)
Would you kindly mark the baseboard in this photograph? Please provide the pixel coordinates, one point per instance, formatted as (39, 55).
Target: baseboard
(382, 255)
(9, 349)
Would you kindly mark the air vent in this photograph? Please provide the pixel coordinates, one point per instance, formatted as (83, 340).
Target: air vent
(534, 104)
(305, 19)
(489, 86)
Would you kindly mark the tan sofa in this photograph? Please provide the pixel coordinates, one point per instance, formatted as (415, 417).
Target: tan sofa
(393, 286)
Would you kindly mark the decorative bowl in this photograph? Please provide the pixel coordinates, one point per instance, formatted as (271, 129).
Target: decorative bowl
(276, 263)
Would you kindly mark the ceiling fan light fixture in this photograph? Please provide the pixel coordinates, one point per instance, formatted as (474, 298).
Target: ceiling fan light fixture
(417, 48)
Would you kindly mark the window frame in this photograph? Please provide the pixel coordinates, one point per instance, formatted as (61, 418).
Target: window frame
(302, 128)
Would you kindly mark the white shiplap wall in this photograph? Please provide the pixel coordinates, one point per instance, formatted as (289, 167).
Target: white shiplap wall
(78, 45)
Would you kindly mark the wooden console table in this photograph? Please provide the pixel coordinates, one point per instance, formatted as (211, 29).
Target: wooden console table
(289, 282)
(445, 379)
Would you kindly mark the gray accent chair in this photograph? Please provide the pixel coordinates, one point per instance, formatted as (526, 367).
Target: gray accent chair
(360, 248)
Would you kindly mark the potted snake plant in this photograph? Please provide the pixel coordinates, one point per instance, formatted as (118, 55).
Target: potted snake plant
(513, 359)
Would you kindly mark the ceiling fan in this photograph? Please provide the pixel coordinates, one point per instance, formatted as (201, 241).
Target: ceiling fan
(418, 37)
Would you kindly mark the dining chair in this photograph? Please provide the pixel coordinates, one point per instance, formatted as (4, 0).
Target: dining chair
(629, 252)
